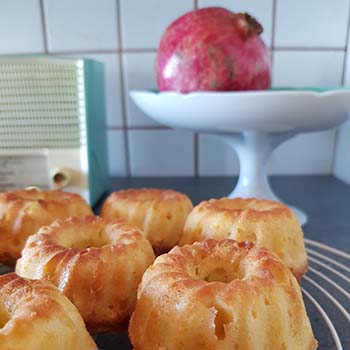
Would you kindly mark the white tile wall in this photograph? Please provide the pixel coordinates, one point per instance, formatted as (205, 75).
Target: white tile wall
(260, 9)
(140, 33)
(216, 157)
(161, 153)
(304, 154)
(81, 24)
(139, 72)
(20, 27)
(116, 153)
(312, 23)
(308, 48)
(307, 68)
(112, 86)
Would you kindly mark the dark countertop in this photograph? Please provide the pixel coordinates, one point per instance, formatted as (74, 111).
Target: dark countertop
(326, 201)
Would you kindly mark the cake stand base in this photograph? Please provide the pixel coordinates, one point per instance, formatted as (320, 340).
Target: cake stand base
(254, 148)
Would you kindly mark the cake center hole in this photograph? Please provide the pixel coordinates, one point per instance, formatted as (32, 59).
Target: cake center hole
(224, 275)
(83, 238)
(87, 243)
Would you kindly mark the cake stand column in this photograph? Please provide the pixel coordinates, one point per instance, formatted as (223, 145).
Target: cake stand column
(254, 149)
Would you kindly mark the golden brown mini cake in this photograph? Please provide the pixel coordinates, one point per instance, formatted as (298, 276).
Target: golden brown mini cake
(220, 295)
(269, 224)
(96, 263)
(35, 315)
(24, 212)
(161, 214)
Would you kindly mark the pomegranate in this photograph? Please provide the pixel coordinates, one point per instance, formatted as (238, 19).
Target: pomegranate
(213, 49)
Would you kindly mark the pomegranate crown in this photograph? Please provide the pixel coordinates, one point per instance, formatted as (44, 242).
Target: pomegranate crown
(249, 24)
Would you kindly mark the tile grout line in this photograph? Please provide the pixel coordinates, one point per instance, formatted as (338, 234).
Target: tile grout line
(273, 31)
(122, 91)
(151, 50)
(306, 48)
(141, 127)
(336, 136)
(104, 51)
(346, 50)
(195, 135)
(43, 26)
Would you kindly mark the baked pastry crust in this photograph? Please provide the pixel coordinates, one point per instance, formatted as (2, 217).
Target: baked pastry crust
(269, 224)
(161, 214)
(96, 263)
(24, 212)
(35, 315)
(220, 295)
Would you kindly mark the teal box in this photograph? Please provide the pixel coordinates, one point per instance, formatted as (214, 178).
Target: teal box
(96, 130)
(53, 125)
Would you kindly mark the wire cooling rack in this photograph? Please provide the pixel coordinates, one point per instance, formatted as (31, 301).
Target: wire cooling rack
(326, 291)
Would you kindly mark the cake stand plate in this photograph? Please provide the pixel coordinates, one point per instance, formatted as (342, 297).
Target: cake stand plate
(253, 123)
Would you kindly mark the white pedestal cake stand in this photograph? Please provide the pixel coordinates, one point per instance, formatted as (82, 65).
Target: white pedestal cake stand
(253, 123)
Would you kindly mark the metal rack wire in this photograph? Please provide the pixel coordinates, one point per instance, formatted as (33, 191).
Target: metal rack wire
(326, 289)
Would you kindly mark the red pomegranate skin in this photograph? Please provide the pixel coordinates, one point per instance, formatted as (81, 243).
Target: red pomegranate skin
(213, 49)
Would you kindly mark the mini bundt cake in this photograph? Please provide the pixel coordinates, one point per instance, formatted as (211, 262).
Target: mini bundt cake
(269, 224)
(220, 295)
(34, 315)
(161, 214)
(97, 263)
(23, 212)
